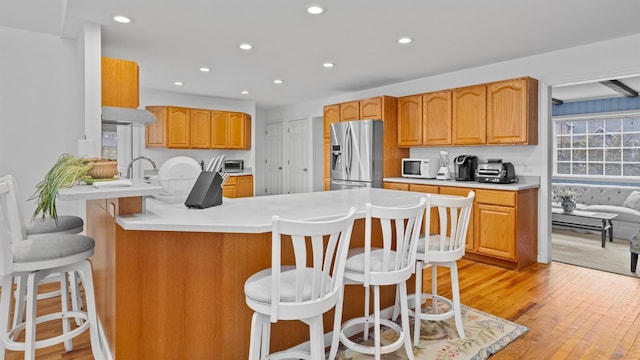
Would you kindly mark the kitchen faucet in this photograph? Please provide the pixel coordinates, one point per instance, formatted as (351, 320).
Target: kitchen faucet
(130, 166)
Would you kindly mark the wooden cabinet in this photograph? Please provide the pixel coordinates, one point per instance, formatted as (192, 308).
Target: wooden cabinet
(503, 229)
(371, 108)
(436, 118)
(238, 186)
(156, 134)
(512, 112)
(200, 129)
(331, 115)
(119, 83)
(327, 163)
(469, 115)
(186, 128)
(350, 111)
(179, 128)
(410, 120)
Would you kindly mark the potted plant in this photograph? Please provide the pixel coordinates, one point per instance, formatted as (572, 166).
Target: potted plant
(567, 199)
(67, 171)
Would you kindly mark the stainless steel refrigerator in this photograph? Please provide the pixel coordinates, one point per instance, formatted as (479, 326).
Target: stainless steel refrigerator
(356, 154)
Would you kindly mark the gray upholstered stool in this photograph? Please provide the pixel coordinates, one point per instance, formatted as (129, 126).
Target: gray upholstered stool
(67, 224)
(31, 260)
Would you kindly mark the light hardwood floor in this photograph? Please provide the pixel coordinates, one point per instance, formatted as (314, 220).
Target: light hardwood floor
(572, 312)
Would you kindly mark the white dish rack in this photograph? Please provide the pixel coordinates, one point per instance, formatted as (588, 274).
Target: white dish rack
(174, 186)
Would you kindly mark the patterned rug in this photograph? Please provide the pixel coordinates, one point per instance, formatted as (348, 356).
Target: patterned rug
(486, 335)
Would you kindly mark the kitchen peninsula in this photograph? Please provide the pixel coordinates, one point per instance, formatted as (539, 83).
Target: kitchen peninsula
(169, 280)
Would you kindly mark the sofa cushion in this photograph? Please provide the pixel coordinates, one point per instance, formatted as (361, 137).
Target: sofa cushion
(633, 201)
(624, 213)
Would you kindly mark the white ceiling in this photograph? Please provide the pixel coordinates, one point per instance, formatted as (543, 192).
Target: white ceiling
(171, 39)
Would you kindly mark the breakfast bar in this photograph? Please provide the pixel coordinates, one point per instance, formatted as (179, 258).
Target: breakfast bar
(169, 280)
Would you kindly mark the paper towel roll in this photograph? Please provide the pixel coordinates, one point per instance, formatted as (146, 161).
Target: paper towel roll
(87, 148)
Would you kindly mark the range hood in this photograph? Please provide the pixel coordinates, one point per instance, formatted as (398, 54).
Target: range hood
(126, 116)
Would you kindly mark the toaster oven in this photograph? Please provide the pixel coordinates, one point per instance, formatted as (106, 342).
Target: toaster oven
(233, 166)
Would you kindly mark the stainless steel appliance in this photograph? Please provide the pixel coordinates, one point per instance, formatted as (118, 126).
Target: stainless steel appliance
(233, 166)
(419, 168)
(356, 154)
(495, 171)
(465, 167)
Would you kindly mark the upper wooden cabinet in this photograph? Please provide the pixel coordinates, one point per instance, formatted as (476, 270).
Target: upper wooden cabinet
(469, 115)
(436, 118)
(156, 134)
(410, 120)
(200, 129)
(230, 130)
(119, 83)
(179, 128)
(331, 115)
(185, 128)
(371, 108)
(512, 112)
(350, 111)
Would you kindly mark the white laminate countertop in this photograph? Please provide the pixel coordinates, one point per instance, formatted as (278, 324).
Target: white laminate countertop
(88, 192)
(254, 214)
(525, 182)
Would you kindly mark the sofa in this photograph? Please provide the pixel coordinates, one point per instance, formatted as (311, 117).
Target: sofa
(621, 200)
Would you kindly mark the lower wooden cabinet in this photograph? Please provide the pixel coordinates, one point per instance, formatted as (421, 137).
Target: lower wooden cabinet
(238, 186)
(503, 229)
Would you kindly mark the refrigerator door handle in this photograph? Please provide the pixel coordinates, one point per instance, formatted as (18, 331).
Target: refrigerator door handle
(348, 150)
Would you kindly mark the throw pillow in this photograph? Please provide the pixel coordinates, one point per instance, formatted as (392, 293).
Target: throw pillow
(633, 201)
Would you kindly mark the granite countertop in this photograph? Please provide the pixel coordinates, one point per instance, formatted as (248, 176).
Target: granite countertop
(88, 192)
(254, 214)
(525, 182)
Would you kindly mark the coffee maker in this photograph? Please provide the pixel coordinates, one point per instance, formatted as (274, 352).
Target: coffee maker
(465, 167)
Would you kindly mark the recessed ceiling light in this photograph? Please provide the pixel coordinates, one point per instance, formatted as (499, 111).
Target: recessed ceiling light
(205, 69)
(328, 64)
(178, 83)
(244, 92)
(122, 19)
(315, 10)
(245, 46)
(405, 40)
(278, 81)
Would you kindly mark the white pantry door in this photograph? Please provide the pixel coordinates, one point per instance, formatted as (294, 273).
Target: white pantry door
(274, 159)
(298, 156)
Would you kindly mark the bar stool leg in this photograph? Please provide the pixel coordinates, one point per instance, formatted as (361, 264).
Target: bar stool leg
(86, 276)
(5, 305)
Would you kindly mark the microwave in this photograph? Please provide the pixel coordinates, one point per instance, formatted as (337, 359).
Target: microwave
(419, 168)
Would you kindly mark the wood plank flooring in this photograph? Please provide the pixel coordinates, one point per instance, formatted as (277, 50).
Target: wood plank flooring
(572, 312)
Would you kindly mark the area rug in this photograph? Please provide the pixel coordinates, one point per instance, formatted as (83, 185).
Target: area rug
(485, 335)
(585, 250)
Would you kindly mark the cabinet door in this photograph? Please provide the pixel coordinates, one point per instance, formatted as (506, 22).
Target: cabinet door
(219, 129)
(496, 228)
(238, 131)
(469, 115)
(119, 83)
(179, 128)
(331, 115)
(459, 191)
(229, 189)
(350, 111)
(371, 108)
(156, 133)
(436, 118)
(200, 129)
(244, 186)
(510, 116)
(434, 225)
(410, 120)
(396, 186)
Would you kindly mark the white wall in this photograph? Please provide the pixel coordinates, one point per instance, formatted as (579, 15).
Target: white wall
(41, 107)
(590, 62)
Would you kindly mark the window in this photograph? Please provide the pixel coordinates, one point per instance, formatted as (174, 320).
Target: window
(597, 145)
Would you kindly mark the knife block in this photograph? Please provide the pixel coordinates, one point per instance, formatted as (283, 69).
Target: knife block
(206, 192)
